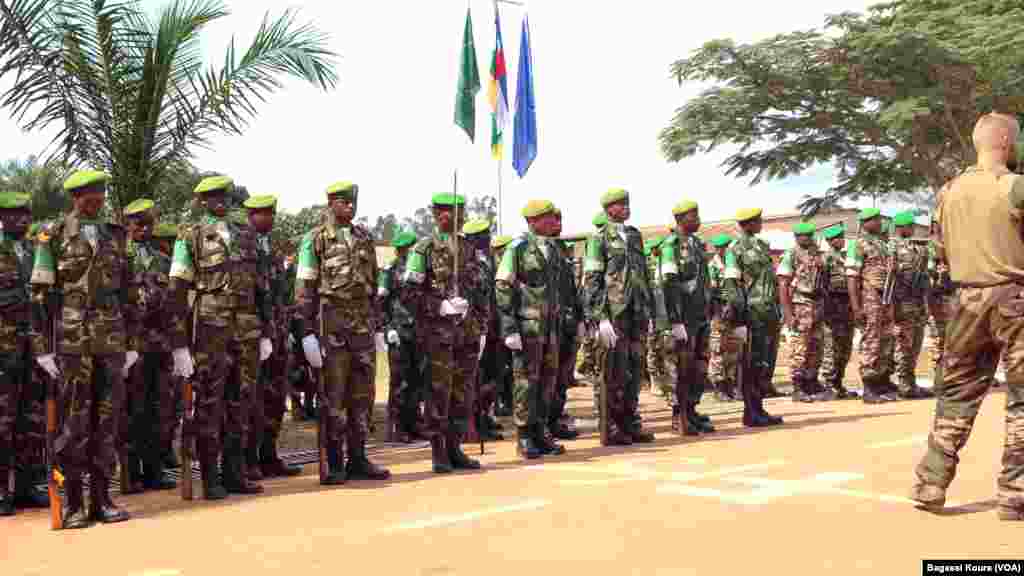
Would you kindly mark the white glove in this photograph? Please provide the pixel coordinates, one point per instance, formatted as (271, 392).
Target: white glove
(454, 307)
(740, 332)
(311, 348)
(130, 358)
(679, 332)
(380, 342)
(48, 362)
(786, 333)
(266, 348)
(183, 365)
(291, 340)
(483, 344)
(393, 337)
(606, 333)
(581, 331)
(514, 342)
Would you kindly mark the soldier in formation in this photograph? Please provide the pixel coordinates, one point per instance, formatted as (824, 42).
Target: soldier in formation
(723, 346)
(499, 362)
(405, 360)
(908, 302)
(837, 321)
(477, 233)
(801, 276)
(572, 328)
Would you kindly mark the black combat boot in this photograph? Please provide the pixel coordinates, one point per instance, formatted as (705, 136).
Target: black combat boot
(6, 500)
(699, 421)
(208, 474)
(359, 466)
(253, 471)
(270, 463)
(545, 442)
(234, 468)
(439, 455)
(101, 507)
(525, 446)
(170, 459)
(75, 513)
(133, 464)
(335, 465)
(561, 431)
(153, 473)
(801, 392)
(25, 493)
(456, 456)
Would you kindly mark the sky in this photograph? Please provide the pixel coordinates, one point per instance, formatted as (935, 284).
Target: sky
(602, 94)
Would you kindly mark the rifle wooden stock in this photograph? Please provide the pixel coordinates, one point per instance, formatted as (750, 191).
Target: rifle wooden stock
(56, 520)
(187, 438)
(322, 406)
(609, 367)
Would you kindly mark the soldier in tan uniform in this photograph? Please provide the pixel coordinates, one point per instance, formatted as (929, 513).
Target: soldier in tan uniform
(979, 224)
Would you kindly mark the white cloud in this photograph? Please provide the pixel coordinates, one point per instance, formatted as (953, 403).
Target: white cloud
(602, 95)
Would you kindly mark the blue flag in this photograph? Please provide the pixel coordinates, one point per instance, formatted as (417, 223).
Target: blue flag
(524, 149)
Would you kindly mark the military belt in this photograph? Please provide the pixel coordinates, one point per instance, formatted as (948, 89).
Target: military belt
(226, 300)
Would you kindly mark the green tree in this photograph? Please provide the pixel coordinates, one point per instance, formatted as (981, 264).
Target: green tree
(131, 95)
(890, 104)
(44, 182)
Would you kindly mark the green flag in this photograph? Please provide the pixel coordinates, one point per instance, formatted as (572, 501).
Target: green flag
(469, 83)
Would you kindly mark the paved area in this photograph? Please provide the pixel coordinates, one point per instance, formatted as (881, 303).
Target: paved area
(827, 491)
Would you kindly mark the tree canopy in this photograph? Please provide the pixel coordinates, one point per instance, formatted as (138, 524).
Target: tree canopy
(888, 97)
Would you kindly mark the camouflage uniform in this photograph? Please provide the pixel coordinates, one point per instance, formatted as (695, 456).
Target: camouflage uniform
(868, 258)
(148, 401)
(405, 360)
(837, 328)
(684, 289)
(22, 389)
(980, 213)
(572, 316)
(617, 289)
(220, 260)
(751, 293)
(528, 286)
(909, 312)
(655, 362)
(803, 269)
(85, 261)
(723, 346)
(450, 343)
(498, 358)
(337, 301)
(939, 297)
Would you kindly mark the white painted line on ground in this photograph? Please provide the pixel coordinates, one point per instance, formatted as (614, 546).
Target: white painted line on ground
(767, 489)
(917, 439)
(691, 476)
(466, 517)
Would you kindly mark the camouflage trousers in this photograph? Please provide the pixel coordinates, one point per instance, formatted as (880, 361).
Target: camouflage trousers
(655, 364)
(587, 362)
(837, 346)
(405, 382)
(875, 327)
(984, 323)
(452, 359)
(566, 353)
(908, 336)
(938, 311)
(803, 346)
(621, 371)
(22, 414)
(274, 383)
(723, 355)
(349, 372)
(662, 378)
(535, 373)
(600, 356)
(227, 370)
(685, 366)
(148, 406)
(91, 393)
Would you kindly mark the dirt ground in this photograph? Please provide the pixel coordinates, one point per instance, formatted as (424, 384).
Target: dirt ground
(826, 491)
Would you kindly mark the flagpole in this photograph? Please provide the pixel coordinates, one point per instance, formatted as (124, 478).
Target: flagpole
(501, 201)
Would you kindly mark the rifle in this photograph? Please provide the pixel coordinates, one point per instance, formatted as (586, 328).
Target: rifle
(53, 475)
(889, 286)
(322, 410)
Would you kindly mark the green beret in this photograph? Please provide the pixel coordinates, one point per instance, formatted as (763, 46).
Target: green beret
(903, 219)
(476, 226)
(536, 208)
(600, 220)
(344, 189)
(720, 240)
(801, 228)
(14, 200)
(403, 239)
(139, 206)
(500, 241)
(214, 183)
(833, 231)
(260, 202)
(868, 214)
(556, 211)
(447, 199)
(744, 214)
(84, 178)
(165, 230)
(684, 207)
(612, 196)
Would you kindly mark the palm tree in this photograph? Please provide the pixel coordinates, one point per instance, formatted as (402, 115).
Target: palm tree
(132, 95)
(41, 181)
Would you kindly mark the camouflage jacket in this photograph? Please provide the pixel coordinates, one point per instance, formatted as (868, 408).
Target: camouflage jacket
(938, 270)
(488, 268)
(85, 263)
(220, 260)
(395, 315)
(615, 276)
(150, 286)
(430, 278)
(716, 280)
(911, 269)
(659, 313)
(16, 305)
(749, 263)
(867, 258)
(277, 290)
(529, 286)
(572, 309)
(337, 285)
(835, 271)
(805, 269)
(685, 283)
